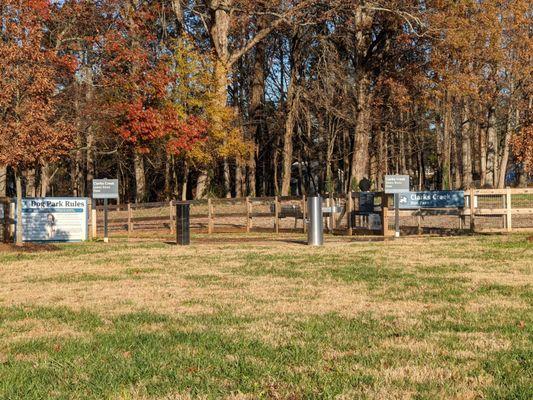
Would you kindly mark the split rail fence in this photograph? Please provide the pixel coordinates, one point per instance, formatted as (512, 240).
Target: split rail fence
(486, 210)
(492, 210)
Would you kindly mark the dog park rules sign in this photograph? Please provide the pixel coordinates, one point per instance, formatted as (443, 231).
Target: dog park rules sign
(54, 220)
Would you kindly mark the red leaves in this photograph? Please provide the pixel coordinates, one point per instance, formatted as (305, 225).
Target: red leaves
(138, 83)
(30, 128)
(186, 133)
(142, 125)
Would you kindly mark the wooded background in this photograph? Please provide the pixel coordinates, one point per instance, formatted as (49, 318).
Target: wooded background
(219, 98)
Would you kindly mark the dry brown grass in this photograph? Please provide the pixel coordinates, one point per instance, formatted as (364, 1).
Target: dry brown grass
(276, 286)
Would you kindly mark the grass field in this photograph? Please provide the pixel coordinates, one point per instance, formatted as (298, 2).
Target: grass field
(423, 318)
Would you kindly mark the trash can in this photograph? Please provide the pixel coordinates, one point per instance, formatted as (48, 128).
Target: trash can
(315, 231)
(183, 226)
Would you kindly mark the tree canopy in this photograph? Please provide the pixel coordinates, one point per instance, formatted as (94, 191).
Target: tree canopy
(193, 98)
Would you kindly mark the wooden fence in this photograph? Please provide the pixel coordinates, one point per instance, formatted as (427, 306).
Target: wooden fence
(486, 210)
(209, 216)
(492, 210)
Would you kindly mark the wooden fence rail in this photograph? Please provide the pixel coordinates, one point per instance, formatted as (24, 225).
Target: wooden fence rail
(248, 211)
(276, 214)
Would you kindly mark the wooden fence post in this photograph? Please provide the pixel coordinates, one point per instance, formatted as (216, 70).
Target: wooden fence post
(508, 206)
(94, 226)
(332, 204)
(89, 220)
(171, 211)
(472, 210)
(349, 211)
(385, 214)
(304, 214)
(210, 216)
(276, 214)
(248, 215)
(130, 222)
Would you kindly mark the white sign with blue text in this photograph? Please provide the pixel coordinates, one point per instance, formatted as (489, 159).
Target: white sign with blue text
(55, 219)
(435, 199)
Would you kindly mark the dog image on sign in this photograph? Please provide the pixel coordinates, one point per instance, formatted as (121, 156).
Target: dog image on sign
(50, 227)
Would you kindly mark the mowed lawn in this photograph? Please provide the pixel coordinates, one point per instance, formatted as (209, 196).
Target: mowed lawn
(416, 318)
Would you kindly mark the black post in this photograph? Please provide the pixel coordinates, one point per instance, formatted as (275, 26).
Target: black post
(397, 214)
(106, 238)
(183, 226)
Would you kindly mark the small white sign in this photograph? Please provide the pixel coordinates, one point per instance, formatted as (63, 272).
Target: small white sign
(396, 183)
(54, 219)
(105, 189)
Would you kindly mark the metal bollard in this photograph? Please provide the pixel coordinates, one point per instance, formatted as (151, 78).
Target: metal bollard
(315, 233)
(183, 226)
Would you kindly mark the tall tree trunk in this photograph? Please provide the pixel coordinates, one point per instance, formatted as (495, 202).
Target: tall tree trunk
(330, 185)
(288, 133)
(169, 159)
(89, 156)
(447, 144)
(3, 181)
(30, 182)
(240, 187)
(227, 178)
(219, 35)
(505, 153)
(185, 182)
(466, 147)
(482, 134)
(140, 178)
(78, 188)
(456, 153)
(275, 163)
(492, 148)
(302, 184)
(346, 158)
(257, 127)
(45, 179)
(201, 185)
(18, 186)
(361, 133)
(401, 141)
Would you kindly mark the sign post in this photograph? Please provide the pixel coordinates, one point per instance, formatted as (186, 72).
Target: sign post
(106, 236)
(396, 184)
(105, 189)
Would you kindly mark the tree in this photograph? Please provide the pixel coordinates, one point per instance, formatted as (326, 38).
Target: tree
(523, 148)
(138, 80)
(31, 132)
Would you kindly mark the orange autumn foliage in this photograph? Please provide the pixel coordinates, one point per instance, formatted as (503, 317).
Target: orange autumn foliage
(31, 131)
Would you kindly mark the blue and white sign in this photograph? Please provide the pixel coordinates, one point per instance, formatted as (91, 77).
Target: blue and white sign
(435, 199)
(55, 219)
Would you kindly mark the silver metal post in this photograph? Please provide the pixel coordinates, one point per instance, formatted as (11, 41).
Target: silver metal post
(315, 233)
(397, 215)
